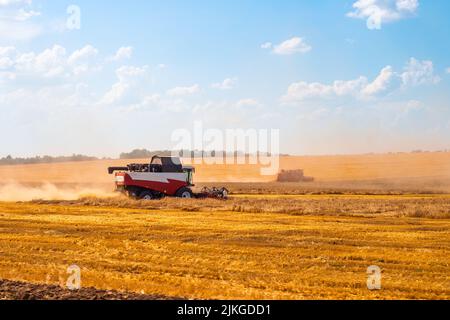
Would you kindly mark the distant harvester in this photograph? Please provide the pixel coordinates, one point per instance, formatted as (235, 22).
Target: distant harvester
(293, 176)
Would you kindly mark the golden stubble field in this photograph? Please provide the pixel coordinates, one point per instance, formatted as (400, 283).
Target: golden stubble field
(211, 252)
(269, 241)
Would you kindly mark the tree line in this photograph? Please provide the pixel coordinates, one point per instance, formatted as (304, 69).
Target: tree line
(9, 160)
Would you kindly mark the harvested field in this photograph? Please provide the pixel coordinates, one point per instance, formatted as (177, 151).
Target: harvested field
(174, 248)
(429, 206)
(268, 241)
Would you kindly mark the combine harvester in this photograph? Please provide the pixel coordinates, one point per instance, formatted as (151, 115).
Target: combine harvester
(163, 177)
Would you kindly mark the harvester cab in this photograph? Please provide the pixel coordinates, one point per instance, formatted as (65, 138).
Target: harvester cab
(172, 165)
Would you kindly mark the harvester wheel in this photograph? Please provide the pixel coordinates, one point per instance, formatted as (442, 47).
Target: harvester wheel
(146, 195)
(185, 193)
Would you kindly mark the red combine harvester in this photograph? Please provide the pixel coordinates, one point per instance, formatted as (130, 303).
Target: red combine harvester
(163, 176)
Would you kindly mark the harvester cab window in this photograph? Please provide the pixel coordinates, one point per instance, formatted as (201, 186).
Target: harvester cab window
(156, 165)
(189, 175)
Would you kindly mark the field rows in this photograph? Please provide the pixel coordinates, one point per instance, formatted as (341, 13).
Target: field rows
(426, 206)
(238, 255)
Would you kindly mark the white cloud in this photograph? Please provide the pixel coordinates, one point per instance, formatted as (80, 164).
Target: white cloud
(81, 60)
(116, 93)
(184, 91)
(128, 77)
(128, 72)
(407, 5)
(82, 54)
(18, 31)
(7, 76)
(380, 83)
(23, 15)
(15, 16)
(350, 87)
(304, 90)
(266, 45)
(5, 62)
(7, 57)
(378, 12)
(122, 54)
(4, 3)
(226, 84)
(7, 50)
(418, 73)
(50, 63)
(292, 46)
(448, 70)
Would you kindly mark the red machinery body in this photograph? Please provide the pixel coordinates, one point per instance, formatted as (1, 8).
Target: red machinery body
(164, 176)
(165, 183)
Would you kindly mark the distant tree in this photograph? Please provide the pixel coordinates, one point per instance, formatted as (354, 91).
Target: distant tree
(144, 154)
(9, 160)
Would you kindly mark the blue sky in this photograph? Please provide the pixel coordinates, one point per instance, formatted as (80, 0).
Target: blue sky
(334, 76)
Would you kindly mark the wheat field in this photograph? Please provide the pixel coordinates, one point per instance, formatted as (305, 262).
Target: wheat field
(323, 168)
(269, 241)
(206, 254)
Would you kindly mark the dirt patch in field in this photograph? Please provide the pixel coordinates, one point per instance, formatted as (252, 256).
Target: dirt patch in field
(13, 290)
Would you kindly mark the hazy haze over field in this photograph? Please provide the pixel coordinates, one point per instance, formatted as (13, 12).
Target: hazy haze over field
(418, 172)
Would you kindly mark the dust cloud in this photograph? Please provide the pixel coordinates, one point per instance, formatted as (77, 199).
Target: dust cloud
(47, 191)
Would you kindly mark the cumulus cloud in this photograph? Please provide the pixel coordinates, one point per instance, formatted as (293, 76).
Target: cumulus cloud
(381, 83)
(128, 77)
(419, 72)
(379, 12)
(81, 59)
(292, 46)
(51, 62)
(18, 31)
(303, 90)
(82, 54)
(23, 15)
(266, 45)
(226, 84)
(7, 57)
(4, 3)
(122, 54)
(415, 73)
(184, 91)
(15, 24)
